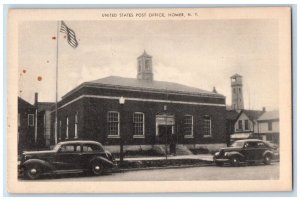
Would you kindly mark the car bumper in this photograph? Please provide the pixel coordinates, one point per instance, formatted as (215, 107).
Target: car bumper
(276, 157)
(20, 171)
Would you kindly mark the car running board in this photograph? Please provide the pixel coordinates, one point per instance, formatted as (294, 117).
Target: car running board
(68, 171)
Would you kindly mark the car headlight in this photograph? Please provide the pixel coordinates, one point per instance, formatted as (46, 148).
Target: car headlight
(226, 154)
(217, 153)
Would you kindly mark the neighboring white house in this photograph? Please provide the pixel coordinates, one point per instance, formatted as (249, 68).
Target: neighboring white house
(268, 126)
(246, 124)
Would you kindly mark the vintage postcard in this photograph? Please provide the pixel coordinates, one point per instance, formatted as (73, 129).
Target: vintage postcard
(149, 100)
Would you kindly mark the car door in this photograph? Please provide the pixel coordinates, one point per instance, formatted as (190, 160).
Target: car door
(249, 151)
(260, 149)
(68, 157)
(88, 152)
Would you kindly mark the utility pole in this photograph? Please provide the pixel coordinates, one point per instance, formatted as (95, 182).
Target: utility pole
(121, 102)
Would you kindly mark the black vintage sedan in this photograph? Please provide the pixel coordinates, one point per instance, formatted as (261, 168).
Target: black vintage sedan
(245, 151)
(66, 157)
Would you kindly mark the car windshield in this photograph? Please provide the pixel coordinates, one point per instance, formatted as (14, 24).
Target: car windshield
(56, 147)
(237, 144)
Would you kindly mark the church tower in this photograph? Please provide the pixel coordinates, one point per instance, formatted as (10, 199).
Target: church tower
(237, 92)
(145, 67)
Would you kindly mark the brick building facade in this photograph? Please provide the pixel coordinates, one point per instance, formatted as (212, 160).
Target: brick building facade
(140, 111)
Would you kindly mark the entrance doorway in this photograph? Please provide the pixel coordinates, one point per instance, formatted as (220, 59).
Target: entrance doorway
(165, 124)
(164, 134)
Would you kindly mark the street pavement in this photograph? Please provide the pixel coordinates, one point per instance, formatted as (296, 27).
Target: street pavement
(254, 172)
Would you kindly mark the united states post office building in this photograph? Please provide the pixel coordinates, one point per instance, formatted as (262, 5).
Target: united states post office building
(140, 111)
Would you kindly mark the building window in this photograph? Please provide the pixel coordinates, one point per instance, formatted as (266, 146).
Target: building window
(140, 66)
(59, 130)
(138, 124)
(44, 122)
(246, 124)
(269, 138)
(207, 126)
(113, 124)
(76, 125)
(148, 64)
(30, 119)
(270, 126)
(67, 127)
(240, 125)
(188, 126)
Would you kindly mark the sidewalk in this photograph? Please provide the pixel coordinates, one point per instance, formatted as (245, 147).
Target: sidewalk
(203, 157)
(160, 162)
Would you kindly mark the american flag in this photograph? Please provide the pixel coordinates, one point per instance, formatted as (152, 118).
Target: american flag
(70, 34)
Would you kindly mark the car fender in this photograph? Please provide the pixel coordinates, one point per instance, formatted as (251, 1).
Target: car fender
(105, 160)
(235, 153)
(268, 152)
(42, 163)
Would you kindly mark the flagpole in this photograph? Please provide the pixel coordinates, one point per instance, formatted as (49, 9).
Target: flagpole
(56, 85)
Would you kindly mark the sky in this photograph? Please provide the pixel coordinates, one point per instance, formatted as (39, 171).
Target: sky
(197, 53)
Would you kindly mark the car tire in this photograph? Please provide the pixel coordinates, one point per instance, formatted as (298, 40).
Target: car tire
(267, 159)
(219, 164)
(235, 161)
(97, 168)
(33, 171)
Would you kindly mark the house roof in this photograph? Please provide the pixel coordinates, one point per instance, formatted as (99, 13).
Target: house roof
(231, 115)
(269, 115)
(236, 75)
(147, 86)
(24, 104)
(252, 114)
(45, 105)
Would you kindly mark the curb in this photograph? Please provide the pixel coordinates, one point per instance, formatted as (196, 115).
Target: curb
(206, 164)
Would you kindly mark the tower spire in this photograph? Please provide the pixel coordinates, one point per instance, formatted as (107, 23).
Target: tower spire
(237, 92)
(144, 69)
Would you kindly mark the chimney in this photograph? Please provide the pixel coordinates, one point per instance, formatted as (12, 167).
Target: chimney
(264, 109)
(36, 98)
(214, 90)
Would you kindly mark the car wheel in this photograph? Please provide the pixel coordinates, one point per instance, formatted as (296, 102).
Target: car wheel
(219, 164)
(97, 168)
(267, 159)
(33, 172)
(235, 161)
